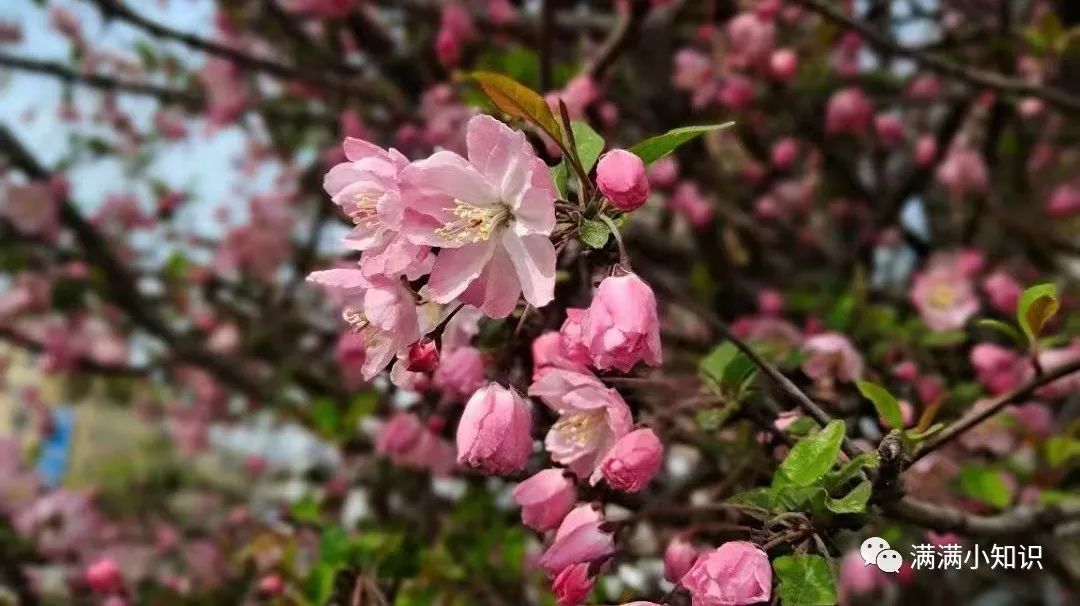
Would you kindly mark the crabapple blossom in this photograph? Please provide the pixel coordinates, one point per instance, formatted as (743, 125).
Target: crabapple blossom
(831, 356)
(423, 356)
(491, 215)
(849, 111)
(620, 327)
(460, 372)
(620, 175)
(582, 538)
(545, 499)
(633, 460)
(736, 574)
(944, 295)
(1002, 291)
(494, 432)
(573, 584)
(679, 556)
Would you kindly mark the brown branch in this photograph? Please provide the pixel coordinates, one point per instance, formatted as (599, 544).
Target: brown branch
(996, 405)
(628, 25)
(1019, 520)
(970, 75)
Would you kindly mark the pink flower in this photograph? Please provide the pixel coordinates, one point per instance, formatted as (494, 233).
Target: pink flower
(406, 441)
(226, 92)
(460, 373)
(367, 188)
(620, 175)
(889, 129)
(423, 356)
(621, 328)
(1003, 291)
(270, 585)
(350, 355)
(322, 9)
(1051, 359)
(549, 351)
(545, 499)
(455, 29)
(501, 12)
(491, 215)
(831, 356)
(382, 311)
(1064, 201)
(694, 73)
(857, 578)
(664, 172)
(494, 434)
(573, 584)
(582, 538)
(784, 64)
(944, 295)
(925, 151)
(679, 556)
(736, 93)
(997, 368)
(750, 40)
(104, 576)
(31, 208)
(633, 461)
(689, 202)
(784, 153)
(592, 418)
(963, 172)
(848, 111)
(736, 574)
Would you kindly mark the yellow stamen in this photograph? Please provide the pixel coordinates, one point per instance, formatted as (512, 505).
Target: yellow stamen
(578, 429)
(365, 212)
(473, 224)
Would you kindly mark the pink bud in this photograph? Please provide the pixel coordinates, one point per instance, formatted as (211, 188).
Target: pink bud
(271, 585)
(770, 302)
(633, 461)
(572, 585)
(1064, 201)
(423, 356)
(582, 538)
(104, 576)
(664, 172)
(1003, 292)
(848, 112)
(925, 151)
(620, 175)
(545, 499)
(736, 574)
(906, 371)
(460, 373)
(889, 129)
(621, 327)
(494, 434)
(831, 355)
(784, 64)
(784, 153)
(736, 93)
(679, 556)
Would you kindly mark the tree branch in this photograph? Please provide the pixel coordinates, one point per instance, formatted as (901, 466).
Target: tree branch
(971, 75)
(1019, 520)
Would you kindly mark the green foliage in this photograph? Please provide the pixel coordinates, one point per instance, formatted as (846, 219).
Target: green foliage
(1001, 327)
(652, 149)
(811, 457)
(1038, 304)
(805, 580)
(853, 502)
(727, 371)
(594, 234)
(985, 485)
(884, 402)
(589, 144)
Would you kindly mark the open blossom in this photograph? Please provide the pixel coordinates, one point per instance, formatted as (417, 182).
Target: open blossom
(620, 327)
(582, 538)
(592, 418)
(831, 356)
(962, 172)
(736, 574)
(491, 215)
(382, 311)
(633, 461)
(545, 499)
(620, 175)
(944, 295)
(549, 351)
(494, 434)
(366, 187)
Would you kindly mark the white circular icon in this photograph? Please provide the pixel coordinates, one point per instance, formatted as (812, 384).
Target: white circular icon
(889, 560)
(870, 549)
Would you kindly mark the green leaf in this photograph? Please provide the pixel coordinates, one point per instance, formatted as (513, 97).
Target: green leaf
(946, 338)
(652, 149)
(1002, 327)
(589, 144)
(796, 498)
(760, 497)
(805, 580)
(519, 101)
(1061, 449)
(850, 469)
(812, 456)
(884, 402)
(560, 176)
(1037, 305)
(853, 502)
(320, 583)
(325, 416)
(985, 485)
(726, 370)
(914, 435)
(594, 233)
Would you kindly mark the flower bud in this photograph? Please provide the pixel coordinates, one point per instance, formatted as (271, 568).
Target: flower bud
(572, 585)
(494, 434)
(848, 112)
(104, 576)
(784, 153)
(737, 573)
(783, 64)
(583, 538)
(620, 175)
(621, 327)
(545, 499)
(679, 556)
(633, 461)
(423, 356)
(271, 585)
(925, 151)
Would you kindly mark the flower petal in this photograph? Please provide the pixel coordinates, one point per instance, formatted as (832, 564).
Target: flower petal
(456, 268)
(534, 261)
